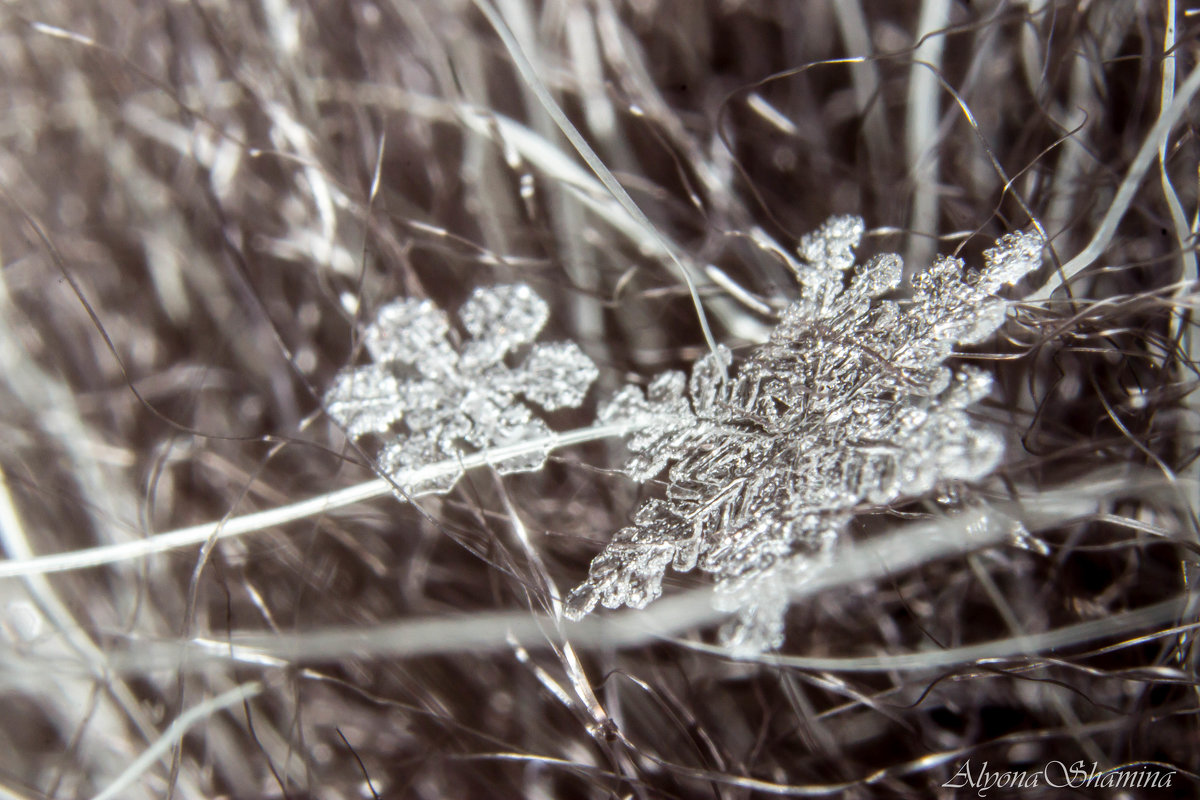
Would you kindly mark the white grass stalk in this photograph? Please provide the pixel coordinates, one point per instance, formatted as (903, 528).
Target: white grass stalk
(531, 78)
(852, 24)
(921, 131)
(905, 548)
(1185, 235)
(105, 736)
(999, 652)
(1146, 154)
(313, 506)
(1183, 232)
(173, 734)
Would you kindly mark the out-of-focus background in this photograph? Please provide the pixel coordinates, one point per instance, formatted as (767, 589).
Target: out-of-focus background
(203, 201)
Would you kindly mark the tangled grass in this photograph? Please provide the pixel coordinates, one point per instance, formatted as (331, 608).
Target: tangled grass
(207, 591)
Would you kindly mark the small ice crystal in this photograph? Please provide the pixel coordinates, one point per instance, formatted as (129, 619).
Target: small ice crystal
(450, 400)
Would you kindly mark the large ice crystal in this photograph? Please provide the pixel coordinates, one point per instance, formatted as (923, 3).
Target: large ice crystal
(849, 405)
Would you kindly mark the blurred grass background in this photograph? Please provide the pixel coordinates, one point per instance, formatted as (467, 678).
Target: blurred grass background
(202, 201)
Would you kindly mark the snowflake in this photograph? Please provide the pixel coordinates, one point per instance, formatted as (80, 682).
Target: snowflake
(848, 405)
(431, 401)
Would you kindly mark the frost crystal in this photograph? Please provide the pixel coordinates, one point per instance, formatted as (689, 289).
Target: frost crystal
(432, 402)
(848, 405)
